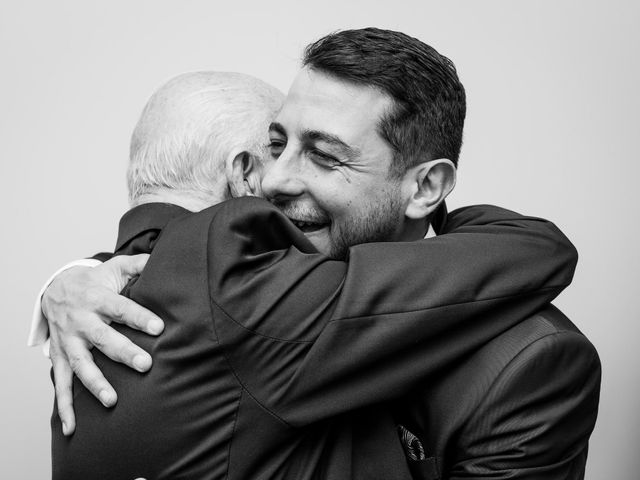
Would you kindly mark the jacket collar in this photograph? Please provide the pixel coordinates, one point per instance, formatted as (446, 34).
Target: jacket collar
(145, 217)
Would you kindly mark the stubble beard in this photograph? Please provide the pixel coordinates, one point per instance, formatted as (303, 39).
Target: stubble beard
(379, 223)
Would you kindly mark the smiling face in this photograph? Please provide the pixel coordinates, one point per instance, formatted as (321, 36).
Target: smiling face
(330, 173)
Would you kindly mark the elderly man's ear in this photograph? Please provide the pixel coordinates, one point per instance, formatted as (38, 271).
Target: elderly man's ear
(427, 185)
(244, 174)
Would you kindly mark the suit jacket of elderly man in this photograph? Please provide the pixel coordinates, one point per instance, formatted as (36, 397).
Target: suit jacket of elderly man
(275, 360)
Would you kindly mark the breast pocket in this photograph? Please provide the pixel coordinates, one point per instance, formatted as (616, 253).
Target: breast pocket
(420, 466)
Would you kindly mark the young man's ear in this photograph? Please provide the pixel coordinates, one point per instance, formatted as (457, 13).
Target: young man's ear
(426, 186)
(244, 174)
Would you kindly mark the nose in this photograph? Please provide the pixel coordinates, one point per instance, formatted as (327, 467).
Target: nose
(283, 177)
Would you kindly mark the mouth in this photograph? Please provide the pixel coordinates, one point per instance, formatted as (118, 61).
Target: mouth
(308, 227)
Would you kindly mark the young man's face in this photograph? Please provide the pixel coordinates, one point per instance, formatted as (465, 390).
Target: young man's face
(330, 172)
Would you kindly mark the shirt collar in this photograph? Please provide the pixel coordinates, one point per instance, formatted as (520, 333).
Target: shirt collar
(148, 216)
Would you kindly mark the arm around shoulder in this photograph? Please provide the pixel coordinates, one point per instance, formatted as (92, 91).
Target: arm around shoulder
(414, 307)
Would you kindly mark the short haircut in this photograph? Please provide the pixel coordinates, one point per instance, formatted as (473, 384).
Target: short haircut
(191, 124)
(427, 119)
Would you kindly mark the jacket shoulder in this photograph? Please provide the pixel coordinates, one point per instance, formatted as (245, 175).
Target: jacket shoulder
(544, 347)
(546, 340)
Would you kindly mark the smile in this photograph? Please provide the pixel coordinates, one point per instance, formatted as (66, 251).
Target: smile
(308, 227)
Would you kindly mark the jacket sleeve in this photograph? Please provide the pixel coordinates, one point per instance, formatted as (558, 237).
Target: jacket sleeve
(535, 421)
(311, 337)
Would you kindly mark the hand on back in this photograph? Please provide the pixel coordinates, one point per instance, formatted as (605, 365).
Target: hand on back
(79, 305)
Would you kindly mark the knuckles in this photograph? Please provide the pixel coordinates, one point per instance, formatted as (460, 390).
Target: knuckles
(100, 336)
(76, 361)
(92, 296)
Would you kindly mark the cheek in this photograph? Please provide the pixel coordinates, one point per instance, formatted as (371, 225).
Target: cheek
(332, 195)
(347, 209)
(342, 200)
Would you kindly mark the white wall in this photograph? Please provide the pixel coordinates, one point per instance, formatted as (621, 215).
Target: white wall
(552, 131)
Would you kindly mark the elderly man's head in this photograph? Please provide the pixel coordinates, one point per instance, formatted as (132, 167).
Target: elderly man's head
(368, 139)
(202, 138)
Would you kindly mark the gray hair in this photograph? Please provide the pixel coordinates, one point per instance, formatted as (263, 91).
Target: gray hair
(191, 125)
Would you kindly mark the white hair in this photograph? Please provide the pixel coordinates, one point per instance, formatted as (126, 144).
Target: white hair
(191, 125)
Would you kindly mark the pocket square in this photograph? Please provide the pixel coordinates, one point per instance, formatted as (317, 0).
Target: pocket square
(411, 444)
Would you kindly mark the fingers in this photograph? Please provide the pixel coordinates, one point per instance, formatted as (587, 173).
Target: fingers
(82, 364)
(63, 378)
(127, 312)
(83, 302)
(118, 347)
(79, 293)
(118, 271)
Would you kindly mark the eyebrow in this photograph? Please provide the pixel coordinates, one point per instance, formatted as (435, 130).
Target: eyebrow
(278, 128)
(316, 135)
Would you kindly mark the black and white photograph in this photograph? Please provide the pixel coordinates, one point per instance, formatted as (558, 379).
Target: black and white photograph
(320, 241)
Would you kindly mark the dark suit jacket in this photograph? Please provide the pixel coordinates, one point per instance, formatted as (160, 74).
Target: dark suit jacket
(522, 407)
(274, 357)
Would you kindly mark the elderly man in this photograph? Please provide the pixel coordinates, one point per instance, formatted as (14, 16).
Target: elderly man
(340, 132)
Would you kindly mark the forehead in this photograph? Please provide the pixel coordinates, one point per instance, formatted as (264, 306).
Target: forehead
(320, 102)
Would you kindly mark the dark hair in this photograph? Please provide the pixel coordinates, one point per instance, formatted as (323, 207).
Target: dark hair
(429, 100)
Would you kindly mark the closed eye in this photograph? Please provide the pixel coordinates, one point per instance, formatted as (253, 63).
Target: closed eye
(321, 157)
(276, 147)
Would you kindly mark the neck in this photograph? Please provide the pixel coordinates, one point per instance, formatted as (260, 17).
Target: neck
(181, 199)
(412, 230)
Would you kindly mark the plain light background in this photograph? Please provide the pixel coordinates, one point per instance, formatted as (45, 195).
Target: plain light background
(552, 130)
